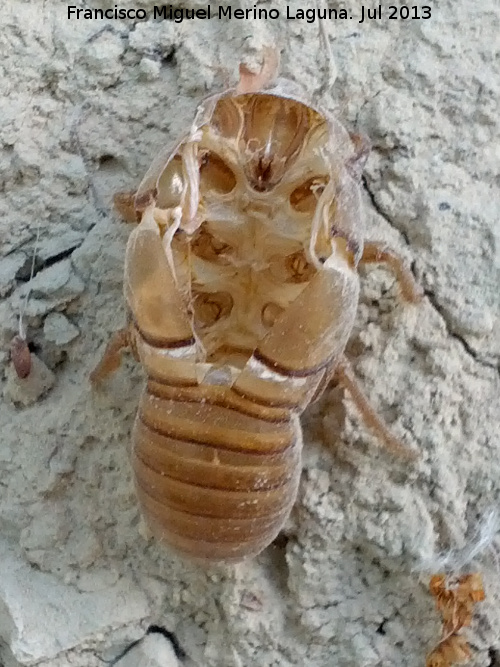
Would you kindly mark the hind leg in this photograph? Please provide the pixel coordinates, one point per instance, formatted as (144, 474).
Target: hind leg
(345, 376)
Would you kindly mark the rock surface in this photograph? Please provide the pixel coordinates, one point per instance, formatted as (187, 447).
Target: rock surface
(86, 105)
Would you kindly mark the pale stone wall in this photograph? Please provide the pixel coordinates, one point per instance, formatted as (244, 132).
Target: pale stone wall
(85, 106)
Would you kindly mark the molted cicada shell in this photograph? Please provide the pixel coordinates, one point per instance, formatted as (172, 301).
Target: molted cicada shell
(241, 279)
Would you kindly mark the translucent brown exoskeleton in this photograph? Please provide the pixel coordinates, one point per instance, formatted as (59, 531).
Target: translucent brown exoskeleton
(242, 286)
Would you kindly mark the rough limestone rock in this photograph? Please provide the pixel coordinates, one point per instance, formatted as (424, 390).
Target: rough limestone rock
(85, 106)
(28, 390)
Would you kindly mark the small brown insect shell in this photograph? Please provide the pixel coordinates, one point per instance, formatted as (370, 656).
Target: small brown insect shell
(242, 286)
(21, 357)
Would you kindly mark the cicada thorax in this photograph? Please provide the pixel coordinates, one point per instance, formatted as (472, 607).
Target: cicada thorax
(242, 285)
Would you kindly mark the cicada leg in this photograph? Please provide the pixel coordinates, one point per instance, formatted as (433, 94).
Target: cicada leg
(345, 376)
(112, 357)
(376, 252)
(341, 370)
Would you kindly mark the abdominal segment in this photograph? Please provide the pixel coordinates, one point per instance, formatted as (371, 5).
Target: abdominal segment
(215, 481)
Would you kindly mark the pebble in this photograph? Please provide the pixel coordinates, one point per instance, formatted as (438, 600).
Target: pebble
(26, 391)
(59, 330)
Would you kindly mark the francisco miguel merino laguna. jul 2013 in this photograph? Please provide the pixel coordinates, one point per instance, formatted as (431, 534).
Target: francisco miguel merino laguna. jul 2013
(178, 14)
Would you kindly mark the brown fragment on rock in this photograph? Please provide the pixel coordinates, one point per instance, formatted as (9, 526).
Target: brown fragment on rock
(21, 356)
(455, 600)
(451, 651)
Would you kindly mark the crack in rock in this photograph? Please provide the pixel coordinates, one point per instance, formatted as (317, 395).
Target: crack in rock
(468, 349)
(381, 212)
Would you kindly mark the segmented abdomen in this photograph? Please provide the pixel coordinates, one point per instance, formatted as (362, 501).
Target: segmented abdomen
(216, 473)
